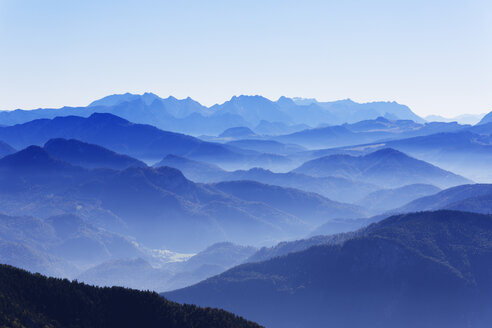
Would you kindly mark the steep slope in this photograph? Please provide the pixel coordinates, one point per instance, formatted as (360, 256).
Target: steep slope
(115, 133)
(158, 206)
(310, 207)
(287, 247)
(386, 167)
(128, 272)
(194, 170)
(428, 269)
(88, 155)
(238, 132)
(5, 149)
(335, 188)
(137, 140)
(472, 198)
(33, 166)
(486, 119)
(34, 259)
(59, 245)
(466, 152)
(387, 199)
(28, 300)
(140, 274)
(215, 259)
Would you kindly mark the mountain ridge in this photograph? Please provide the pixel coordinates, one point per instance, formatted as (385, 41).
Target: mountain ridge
(429, 268)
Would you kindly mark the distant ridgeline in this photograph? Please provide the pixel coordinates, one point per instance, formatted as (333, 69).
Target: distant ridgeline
(189, 116)
(32, 300)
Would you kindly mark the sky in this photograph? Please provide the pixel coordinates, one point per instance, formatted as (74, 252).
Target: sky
(434, 56)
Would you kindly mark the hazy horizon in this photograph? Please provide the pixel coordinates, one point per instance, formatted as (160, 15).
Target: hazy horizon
(272, 99)
(432, 57)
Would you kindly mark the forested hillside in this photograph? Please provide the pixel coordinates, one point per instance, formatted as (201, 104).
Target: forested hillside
(32, 300)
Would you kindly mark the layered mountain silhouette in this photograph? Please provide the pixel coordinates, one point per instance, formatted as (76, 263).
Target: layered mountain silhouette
(237, 133)
(349, 111)
(188, 116)
(68, 246)
(58, 245)
(427, 269)
(330, 136)
(88, 155)
(311, 207)
(286, 247)
(386, 167)
(141, 274)
(197, 171)
(215, 259)
(5, 149)
(126, 272)
(153, 193)
(472, 198)
(32, 300)
(367, 131)
(109, 131)
(465, 151)
(335, 188)
(387, 199)
(136, 140)
(159, 206)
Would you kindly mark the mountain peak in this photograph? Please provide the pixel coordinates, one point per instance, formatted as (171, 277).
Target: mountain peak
(107, 117)
(387, 152)
(237, 132)
(486, 119)
(33, 157)
(386, 167)
(88, 155)
(117, 99)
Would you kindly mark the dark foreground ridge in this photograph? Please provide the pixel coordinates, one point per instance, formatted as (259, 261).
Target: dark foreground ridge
(426, 269)
(32, 300)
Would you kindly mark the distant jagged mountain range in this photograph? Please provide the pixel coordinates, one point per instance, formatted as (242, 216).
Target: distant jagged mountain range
(189, 116)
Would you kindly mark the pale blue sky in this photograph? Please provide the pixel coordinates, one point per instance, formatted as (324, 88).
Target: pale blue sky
(435, 56)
